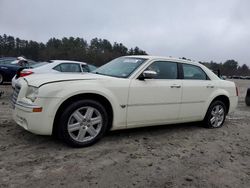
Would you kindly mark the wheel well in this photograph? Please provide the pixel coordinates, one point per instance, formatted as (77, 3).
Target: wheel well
(223, 99)
(101, 99)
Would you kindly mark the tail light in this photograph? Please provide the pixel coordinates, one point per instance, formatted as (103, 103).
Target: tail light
(237, 91)
(25, 73)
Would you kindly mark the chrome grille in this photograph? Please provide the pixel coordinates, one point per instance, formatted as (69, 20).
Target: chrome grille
(15, 94)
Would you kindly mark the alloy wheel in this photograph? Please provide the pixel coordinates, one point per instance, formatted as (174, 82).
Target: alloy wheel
(84, 124)
(217, 116)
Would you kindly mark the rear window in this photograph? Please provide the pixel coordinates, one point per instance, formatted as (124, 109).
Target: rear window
(68, 67)
(192, 72)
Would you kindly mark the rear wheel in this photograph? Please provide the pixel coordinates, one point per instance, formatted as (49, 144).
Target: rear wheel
(216, 115)
(83, 123)
(247, 99)
(1, 78)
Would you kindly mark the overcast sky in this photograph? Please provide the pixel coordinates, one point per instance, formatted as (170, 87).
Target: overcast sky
(201, 30)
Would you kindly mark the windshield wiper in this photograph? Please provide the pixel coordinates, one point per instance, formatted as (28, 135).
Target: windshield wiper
(96, 72)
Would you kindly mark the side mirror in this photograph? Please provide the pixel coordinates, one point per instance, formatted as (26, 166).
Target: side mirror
(148, 74)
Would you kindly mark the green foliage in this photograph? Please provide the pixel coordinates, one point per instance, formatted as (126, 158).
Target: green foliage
(98, 52)
(229, 68)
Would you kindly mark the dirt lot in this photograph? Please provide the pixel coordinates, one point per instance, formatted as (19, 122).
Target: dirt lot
(165, 156)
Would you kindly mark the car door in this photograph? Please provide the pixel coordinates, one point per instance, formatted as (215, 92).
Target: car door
(197, 87)
(155, 101)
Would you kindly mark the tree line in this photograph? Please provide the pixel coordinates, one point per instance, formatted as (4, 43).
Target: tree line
(229, 68)
(97, 51)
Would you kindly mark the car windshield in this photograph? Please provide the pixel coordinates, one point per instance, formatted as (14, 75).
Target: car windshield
(92, 67)
(121, 67)
(5, 61)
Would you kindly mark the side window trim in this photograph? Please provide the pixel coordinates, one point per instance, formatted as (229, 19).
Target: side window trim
(87, 67)
(182, 72)
(179, 76)
(57, 67)
(65, 63)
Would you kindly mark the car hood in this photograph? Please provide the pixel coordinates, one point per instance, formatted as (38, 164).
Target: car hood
(40, 79)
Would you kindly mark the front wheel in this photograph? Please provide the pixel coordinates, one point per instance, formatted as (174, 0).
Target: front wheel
(216, 115)
(83, 123)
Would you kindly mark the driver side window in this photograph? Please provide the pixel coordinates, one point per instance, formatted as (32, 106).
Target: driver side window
(164, 69)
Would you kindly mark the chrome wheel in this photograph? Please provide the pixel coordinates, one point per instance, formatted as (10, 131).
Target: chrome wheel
(217, 116)
(84, 124)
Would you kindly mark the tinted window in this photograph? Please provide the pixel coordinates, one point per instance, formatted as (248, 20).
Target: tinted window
(164, 70)
(57, 68)
(85, 68)
(192, 72)
(68, 67)
(92, 67)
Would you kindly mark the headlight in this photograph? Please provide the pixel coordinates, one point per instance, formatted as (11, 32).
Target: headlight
(32, 93)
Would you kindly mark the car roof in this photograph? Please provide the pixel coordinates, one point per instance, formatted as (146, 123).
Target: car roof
(66, 61)
(165, 58)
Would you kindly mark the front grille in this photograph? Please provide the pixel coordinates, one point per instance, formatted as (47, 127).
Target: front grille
(15, 93)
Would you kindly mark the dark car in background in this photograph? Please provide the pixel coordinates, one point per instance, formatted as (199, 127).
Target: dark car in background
(6, 60)
(9, 66)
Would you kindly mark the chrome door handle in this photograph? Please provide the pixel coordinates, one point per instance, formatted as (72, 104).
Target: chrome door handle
(175, 86)
(210, 86)
(4, 68)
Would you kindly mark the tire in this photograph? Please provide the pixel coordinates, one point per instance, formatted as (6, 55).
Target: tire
(215, 115)
(1, 79)
(247, 99)
(83, 123)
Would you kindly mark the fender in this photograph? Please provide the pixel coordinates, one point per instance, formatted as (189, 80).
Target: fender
(63, 93)
(216, 93)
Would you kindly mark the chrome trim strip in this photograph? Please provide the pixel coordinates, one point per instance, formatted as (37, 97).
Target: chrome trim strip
(151, 104)
(160, 104)
(26, 105)
(192, 102)
(64, 81)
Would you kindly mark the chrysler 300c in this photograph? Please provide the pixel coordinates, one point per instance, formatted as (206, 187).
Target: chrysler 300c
(128, 92)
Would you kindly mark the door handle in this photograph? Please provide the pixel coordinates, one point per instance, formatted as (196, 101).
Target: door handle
(210, 86)
(4, 68)
(175, 86)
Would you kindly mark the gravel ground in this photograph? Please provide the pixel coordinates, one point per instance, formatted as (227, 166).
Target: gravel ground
(184, 155)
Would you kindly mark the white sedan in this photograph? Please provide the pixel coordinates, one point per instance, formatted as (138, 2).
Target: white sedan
(128, 92)
(54, 66)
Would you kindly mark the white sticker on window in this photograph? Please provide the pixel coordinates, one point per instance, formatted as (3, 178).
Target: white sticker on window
(131, 60)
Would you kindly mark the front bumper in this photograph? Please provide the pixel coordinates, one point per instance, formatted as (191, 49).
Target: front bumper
(27, 107)
(33, 121)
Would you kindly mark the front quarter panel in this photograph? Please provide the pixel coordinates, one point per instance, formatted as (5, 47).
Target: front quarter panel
(115, 91)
